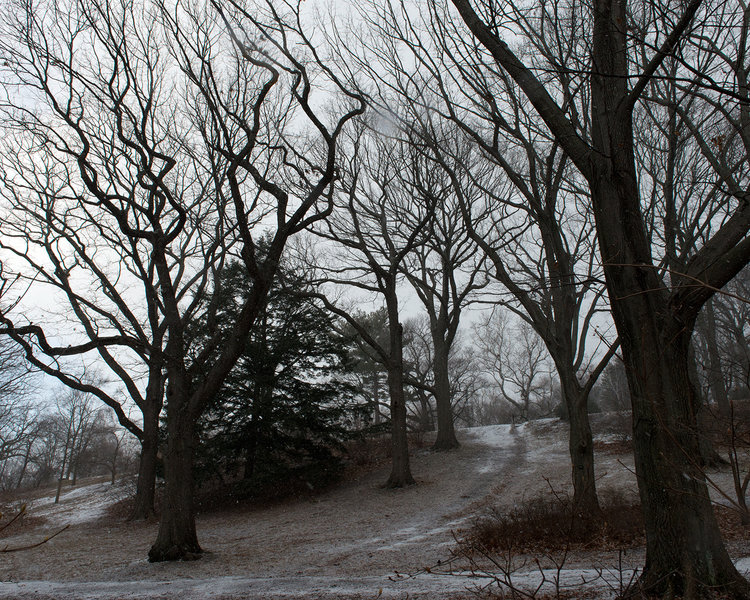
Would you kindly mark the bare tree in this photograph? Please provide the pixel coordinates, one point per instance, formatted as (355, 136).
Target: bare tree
(722, 347)
(75, 228)
(445, 272)
(377, 223)
(18, 412)
(523, 203)
(76, 418)
(463, 375)
(613, 386)
(418, 360)
(79, 259)
(654, 314)
(516, 361)
(115, 452)
(183, 160)
(44, 451)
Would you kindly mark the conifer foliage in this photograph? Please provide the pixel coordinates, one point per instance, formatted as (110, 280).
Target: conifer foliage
(286, 407)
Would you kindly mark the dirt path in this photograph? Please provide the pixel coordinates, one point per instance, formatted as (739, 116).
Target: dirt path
(347, 543)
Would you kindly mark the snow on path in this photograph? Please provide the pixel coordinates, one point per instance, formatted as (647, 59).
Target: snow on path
(358, 533)
(346, 543)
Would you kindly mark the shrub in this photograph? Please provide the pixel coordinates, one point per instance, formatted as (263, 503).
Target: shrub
(546, 523)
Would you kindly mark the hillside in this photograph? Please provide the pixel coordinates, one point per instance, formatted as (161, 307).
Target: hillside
(346, 543)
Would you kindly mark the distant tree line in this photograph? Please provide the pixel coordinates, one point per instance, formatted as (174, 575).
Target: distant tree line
(71, 438)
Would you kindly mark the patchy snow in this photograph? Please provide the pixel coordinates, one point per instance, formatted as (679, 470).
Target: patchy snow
(347, 543)
(497, 436)
(81, 504)
(612, 438)
(226, 588)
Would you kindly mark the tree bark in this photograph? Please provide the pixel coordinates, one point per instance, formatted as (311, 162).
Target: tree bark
(684, 550)
(581, 445)
(400, 469)
(62, 468)
(685, 553)
(146, 485)
(446, 432)
(177, 538)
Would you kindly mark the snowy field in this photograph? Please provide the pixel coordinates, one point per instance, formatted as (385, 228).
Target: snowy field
(355, 541)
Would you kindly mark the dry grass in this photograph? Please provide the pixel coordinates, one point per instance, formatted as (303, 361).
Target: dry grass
(9, 525)
(546, 524)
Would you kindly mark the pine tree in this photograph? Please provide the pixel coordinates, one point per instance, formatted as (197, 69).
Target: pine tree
(286, 408)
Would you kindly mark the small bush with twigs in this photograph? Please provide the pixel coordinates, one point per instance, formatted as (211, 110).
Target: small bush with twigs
(546, 523)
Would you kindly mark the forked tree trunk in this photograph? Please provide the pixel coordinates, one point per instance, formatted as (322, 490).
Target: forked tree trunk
(400, 469)
(446, 432)
(177, 538)
(684, 550)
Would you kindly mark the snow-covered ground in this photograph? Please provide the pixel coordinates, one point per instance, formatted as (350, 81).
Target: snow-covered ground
(82, 504)
(355, 541)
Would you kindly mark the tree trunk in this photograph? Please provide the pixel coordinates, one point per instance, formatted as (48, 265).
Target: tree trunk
(59, 489)
(26, 457)
(684, 550)
(715, 375)
(145, 488)
(376, 396)
(400, 470)
(426, 420)
(446, 433)
(581, 445)
(62, 469)
(177, 538)
(250, 447)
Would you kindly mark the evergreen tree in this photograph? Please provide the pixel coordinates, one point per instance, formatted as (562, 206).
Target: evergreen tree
(287, 405)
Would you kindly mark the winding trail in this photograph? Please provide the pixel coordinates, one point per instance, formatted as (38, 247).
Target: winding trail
(347, 543)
